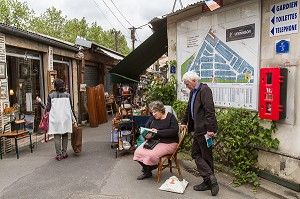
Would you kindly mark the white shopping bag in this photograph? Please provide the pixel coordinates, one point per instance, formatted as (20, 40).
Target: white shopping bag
(173, 184)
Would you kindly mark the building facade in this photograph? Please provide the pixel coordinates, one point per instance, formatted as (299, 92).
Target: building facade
(228, 47)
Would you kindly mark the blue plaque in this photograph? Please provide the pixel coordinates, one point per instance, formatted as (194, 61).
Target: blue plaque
(282, 46)
(172, 69)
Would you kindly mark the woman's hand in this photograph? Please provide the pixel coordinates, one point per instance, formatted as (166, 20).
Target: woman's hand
(38, 99)
(154, 130)
(148, 136)
(182, 126)
(75, 124)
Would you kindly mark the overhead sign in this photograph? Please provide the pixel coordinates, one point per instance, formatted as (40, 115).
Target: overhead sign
(284, 18)
(239, 33)
(282, 46)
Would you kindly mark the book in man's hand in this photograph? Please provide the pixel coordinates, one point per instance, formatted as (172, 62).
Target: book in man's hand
(144, 131)
(209, 140)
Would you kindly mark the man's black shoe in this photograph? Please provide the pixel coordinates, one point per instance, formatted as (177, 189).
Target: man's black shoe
(213, 184)
(201, 187)
(144, 176)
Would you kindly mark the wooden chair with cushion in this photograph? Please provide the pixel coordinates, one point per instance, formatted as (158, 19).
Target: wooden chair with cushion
(18, 133)
(166, 160)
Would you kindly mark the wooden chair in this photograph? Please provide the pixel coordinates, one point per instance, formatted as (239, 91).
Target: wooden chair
(20, 132)
(166, 160)
(109, 102)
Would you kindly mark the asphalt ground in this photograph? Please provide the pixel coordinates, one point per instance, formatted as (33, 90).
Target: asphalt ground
(97, 173)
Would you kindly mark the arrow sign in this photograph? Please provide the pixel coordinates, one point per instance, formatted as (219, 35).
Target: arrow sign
(273, 20)
(273, 9)
(284, 18)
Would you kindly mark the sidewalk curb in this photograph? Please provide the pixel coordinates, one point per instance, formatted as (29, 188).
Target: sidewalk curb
(265, 185)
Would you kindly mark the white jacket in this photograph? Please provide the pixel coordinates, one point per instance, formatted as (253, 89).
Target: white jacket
(60, 116)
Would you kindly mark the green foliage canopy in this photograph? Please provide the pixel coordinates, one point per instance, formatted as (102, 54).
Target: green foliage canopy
(163, 90)
(15, 13)
(53, 23)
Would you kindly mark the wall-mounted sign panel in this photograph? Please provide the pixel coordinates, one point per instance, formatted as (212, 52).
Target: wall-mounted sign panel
(229, 65)
(239, 33)
(284, 18)
(282, 46)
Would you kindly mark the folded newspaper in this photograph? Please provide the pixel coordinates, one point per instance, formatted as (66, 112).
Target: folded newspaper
(144, 131)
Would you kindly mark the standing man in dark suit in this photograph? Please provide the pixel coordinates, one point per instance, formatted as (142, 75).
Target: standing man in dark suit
(201, 119)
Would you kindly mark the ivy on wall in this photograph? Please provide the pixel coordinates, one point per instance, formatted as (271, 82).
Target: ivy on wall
(239, 130)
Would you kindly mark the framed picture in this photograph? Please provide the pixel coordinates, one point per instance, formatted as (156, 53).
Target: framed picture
(5, 104)
(24, 71)
(2, 70)
(3, 82)
(3, 92)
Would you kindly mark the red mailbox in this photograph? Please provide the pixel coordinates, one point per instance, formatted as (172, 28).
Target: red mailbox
(272, 93)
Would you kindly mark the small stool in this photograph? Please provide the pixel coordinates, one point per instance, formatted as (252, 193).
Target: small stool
(109, 108)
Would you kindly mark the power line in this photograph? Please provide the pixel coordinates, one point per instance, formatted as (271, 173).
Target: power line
(121, 13)
(114, 15)
(142, 25)
(103, 14)
(138, 37)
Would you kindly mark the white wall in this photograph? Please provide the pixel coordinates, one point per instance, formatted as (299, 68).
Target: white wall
(288, 131)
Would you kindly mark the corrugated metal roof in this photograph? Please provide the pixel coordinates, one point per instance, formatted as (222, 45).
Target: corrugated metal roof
(189, 6)
(37, 37)
(109, 52)
(113, 55)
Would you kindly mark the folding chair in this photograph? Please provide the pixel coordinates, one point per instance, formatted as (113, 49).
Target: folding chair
(166, 160)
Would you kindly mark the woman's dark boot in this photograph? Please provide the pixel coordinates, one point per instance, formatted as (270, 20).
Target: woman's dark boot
(144, 175)
(146, 172)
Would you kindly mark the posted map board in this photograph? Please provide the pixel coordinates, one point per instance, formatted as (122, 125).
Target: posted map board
(223, 48)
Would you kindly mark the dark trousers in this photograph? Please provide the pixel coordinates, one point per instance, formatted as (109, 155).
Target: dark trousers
(203, 156)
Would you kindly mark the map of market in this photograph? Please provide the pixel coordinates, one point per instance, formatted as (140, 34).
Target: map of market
(217, 63)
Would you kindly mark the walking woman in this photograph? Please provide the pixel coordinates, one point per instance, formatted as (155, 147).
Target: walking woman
(61, 116)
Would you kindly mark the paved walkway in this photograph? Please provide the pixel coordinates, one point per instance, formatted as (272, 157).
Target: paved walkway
(96, 173)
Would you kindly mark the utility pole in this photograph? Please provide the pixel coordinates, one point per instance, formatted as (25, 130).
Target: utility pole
(117, 43)
(132, 33)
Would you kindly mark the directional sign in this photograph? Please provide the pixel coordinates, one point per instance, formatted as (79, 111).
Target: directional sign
(284, 18)
(282, 46)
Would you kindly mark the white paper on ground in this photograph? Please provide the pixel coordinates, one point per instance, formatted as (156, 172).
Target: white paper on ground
(173, 184)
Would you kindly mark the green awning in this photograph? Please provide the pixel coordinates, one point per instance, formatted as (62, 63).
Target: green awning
(129, 69)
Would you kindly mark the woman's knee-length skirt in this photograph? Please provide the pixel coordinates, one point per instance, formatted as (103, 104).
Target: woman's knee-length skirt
(151, 156)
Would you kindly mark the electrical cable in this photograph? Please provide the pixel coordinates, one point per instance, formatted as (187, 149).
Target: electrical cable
(120, 13)
(138, 37)
(103, 14)
(143, 25)
(115, 16)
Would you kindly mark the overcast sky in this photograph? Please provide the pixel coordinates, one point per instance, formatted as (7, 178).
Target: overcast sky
(136, 12)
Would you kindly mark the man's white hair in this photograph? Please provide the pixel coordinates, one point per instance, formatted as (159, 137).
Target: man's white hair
(190, 76)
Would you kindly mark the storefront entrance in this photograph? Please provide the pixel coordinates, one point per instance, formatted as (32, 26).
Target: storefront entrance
(24, 81)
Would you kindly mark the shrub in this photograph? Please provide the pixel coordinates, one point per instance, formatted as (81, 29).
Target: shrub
(162, 90)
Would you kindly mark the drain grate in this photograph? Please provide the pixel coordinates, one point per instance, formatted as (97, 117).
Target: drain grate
(194, 172)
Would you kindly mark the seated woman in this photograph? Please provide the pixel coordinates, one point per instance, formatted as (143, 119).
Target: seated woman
(166, 127)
